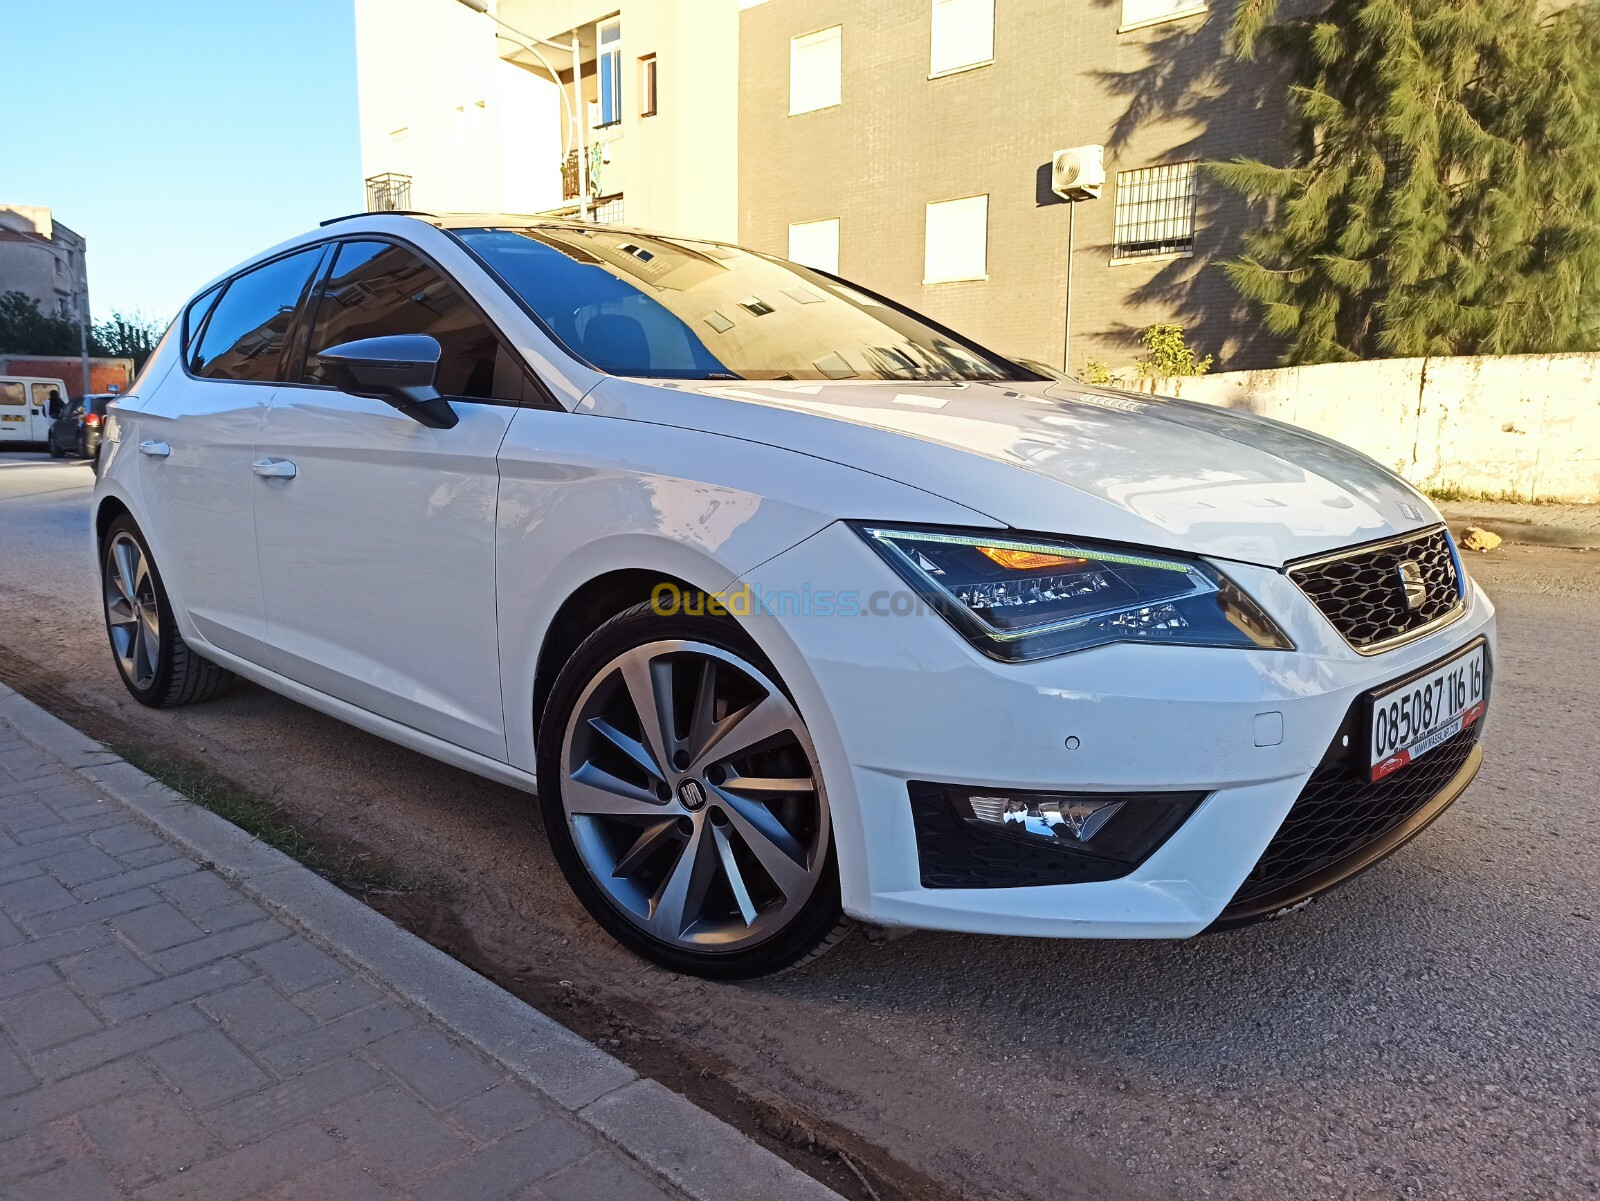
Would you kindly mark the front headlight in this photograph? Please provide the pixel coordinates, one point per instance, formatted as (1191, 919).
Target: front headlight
(1030, 598)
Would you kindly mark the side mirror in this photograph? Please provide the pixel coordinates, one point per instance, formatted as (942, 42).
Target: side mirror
(400, 370)
(56, 408)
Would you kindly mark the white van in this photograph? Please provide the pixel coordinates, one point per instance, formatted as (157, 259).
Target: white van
(25, 414)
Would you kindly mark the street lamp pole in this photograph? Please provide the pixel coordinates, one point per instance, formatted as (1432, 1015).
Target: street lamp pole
(574, 106)
(83, 335)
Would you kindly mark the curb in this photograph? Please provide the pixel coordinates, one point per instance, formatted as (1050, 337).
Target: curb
(1520, 530)
(692, 1149)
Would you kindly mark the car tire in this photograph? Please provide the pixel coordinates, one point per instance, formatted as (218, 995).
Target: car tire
(55, 451)
(158, 667)
(83, 447)
(730, 877)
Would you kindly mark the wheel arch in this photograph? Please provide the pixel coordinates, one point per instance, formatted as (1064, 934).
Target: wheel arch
(586, 609)
(107, 511)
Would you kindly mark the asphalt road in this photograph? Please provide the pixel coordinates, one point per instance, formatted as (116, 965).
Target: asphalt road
(1430, 1030)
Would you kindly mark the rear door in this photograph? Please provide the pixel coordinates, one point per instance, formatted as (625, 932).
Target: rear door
(195, 440)
(42, 393)
(377, 535)
(14, 424)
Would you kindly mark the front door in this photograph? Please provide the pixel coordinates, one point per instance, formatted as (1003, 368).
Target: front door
(376, 535)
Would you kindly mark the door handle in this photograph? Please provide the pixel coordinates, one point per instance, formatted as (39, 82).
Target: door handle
(156, 450)
(274, 469)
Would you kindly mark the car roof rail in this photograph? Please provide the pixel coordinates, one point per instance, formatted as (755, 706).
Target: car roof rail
(383, 213)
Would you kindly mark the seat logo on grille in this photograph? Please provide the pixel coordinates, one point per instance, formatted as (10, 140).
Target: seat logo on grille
(1412, 584)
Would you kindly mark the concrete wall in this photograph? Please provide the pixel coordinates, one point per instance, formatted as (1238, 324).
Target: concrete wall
(1063, 74)
(1525, 426)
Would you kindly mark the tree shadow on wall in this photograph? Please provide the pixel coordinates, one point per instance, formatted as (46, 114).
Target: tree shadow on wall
(1217, 107)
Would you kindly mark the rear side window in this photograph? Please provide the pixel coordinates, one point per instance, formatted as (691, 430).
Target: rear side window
(377, 289)
(12, 393)
(194, 318)
(244, 338)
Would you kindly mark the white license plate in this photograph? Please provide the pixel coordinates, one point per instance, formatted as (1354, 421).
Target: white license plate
(1409, 719)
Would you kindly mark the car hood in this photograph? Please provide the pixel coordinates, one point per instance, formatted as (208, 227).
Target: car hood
(1065, 458)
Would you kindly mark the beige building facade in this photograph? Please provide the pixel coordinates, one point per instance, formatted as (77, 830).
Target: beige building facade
(904, 144)
(469, 111)
(44, 260)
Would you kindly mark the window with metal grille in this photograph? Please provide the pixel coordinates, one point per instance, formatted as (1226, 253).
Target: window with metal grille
(1155, 211)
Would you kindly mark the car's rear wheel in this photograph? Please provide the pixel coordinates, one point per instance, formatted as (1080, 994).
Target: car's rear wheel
(157, 665)
(55, 451)
(683, 799)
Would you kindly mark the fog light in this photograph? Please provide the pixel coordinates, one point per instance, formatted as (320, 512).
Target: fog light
(1071, 819)
(1121, 826)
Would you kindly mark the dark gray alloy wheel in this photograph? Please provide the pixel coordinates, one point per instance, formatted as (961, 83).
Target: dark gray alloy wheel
(684, 801)
(155, 663)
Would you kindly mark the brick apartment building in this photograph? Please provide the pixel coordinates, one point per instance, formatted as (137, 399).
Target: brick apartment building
(915, 136)
(904, 144)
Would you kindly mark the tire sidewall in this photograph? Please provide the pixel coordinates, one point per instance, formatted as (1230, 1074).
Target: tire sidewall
(636, 627)
(162, 680)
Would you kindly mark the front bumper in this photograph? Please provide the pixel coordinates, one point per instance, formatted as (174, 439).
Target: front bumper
(895, 699)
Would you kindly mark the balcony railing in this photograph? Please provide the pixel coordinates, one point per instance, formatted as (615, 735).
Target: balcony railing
(388, 193)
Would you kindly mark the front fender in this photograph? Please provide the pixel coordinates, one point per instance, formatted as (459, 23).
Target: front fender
(583, 495)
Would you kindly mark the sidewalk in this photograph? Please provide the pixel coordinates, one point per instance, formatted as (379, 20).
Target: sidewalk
(185, 1013)
(1573, 526)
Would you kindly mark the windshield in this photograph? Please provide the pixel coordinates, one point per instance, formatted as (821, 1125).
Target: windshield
(637, 304)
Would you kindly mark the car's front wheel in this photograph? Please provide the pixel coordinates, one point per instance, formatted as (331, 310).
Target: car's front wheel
(683, 800)
(159, 668)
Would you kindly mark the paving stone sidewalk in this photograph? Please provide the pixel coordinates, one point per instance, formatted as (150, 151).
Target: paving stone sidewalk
(164, 1036)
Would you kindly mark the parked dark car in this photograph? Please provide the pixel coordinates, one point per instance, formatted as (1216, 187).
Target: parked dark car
(76, 428)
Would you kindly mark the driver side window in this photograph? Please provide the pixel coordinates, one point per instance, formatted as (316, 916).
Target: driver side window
(376, 289)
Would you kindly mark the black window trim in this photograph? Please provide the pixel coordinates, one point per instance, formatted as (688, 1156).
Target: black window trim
(222, 290)
(537, 394)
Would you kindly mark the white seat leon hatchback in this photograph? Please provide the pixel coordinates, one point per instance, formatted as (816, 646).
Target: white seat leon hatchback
(791, 606)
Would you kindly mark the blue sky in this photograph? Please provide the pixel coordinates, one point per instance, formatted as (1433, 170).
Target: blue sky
(178, 136)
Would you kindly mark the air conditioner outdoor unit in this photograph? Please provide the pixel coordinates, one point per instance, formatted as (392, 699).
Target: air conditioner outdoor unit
(1079, 173)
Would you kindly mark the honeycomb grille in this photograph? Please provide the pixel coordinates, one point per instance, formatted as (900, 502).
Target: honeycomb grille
(1363, 594)
(1340, 811)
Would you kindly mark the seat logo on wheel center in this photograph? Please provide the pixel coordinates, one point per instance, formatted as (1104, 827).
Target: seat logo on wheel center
(692, 794)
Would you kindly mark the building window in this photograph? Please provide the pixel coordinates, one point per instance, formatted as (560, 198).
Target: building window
(814, 70)
(60, 267)
(1155, 211)
(815, 244)
(1136, 13)
(957, 240)
(609, 67)
(647, 85)
(963, 35)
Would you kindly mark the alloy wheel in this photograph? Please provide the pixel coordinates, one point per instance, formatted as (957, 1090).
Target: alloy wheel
(132, 611)
(692, 793)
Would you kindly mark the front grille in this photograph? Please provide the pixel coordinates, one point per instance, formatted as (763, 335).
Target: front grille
(1363, 594)
(1340, 811)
